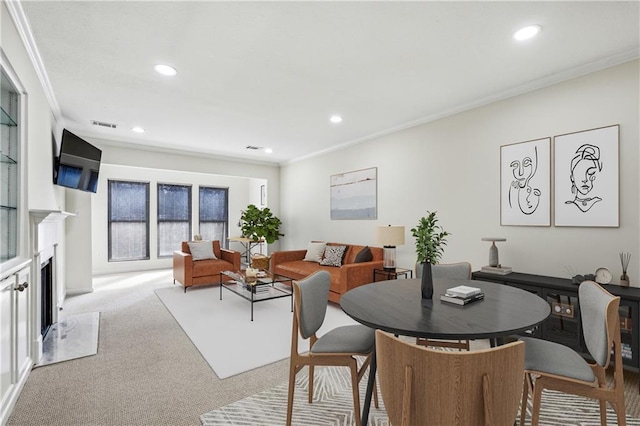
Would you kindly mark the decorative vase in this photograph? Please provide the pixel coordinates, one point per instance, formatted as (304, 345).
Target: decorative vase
(624, 280)
(427, 281)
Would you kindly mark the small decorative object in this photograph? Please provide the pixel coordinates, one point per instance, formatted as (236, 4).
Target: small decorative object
(494, 266)
(603, 275)
(624, 260)
(430, 242)
(390, 237)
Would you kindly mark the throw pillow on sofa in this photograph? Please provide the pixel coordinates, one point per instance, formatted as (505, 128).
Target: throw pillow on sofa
(364, 255)
(333, 255)
(201, 250)
(315, 251)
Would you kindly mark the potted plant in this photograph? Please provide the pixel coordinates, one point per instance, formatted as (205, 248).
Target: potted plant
(430, 241)
(258, 224)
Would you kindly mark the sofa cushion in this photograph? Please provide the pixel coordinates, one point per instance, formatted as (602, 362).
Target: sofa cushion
(364, 255)
(216, 248)
(315, 251)
(201, 250)
(210, 267)
(333, 255)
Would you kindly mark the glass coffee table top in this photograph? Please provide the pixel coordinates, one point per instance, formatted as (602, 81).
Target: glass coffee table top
(264, 286)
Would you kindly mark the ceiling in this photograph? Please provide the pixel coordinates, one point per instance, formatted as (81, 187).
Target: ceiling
(270, 74)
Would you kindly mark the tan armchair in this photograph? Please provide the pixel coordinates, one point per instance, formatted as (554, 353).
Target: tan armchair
(189, 272)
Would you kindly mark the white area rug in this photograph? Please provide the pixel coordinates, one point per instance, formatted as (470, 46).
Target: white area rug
(224, 334)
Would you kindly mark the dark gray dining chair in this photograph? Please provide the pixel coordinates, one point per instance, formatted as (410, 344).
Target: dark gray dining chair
(337, 347)
(558, 367)
(451, 271)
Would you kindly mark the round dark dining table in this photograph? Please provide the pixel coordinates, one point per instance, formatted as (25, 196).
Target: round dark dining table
(396, 306)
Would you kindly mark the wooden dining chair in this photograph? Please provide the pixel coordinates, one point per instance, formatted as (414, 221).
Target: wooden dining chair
(423, 386)
(452, 271)
(550, 365)
(337, 347)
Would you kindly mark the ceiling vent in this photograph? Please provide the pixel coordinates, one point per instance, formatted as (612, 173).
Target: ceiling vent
(255, 148)
(103, 124)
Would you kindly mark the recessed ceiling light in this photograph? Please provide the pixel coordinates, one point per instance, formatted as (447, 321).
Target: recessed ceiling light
(335, 119)
(137, 129)
(165, 69)
(268, 150)
(527, 32)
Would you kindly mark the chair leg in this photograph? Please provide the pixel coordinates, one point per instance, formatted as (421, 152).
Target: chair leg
(603, 412)
(537, 396)
(292, 388)
(525, 397)
(311, 384)
(621, 415)
(356, 393)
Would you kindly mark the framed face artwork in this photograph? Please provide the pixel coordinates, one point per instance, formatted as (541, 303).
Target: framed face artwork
(586, 170)
(525, 188)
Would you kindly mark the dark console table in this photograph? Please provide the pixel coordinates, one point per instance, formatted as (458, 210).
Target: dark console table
(564, 325)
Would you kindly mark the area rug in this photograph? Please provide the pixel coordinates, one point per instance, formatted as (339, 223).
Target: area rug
(333, 405)
(74, 336)
(224, 334)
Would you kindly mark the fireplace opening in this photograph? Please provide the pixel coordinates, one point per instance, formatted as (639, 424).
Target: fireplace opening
(46, 310)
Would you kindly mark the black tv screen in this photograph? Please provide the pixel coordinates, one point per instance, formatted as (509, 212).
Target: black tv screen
(78, 164)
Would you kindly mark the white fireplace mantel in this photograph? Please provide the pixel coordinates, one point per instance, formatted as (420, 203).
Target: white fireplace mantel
(40, 216)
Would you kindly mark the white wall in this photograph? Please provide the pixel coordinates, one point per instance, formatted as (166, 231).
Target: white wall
(452, 166)
(242, 179)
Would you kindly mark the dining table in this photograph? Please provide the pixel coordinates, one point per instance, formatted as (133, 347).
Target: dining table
(397, 306)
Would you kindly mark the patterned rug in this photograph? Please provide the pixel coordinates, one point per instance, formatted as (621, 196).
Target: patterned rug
(333, 405)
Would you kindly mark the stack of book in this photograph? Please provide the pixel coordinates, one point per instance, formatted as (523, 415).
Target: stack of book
(462, 295)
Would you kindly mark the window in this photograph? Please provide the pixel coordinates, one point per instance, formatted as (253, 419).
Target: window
(174, 217)
(214, 214)
(128, 220)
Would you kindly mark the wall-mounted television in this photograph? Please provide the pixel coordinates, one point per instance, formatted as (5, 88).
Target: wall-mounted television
(78, 164)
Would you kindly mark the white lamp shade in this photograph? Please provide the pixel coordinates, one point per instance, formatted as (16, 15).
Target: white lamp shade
(390, 235)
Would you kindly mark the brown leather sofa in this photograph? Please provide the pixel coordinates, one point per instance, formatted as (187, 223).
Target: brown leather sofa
(189, 272)
(343, 278)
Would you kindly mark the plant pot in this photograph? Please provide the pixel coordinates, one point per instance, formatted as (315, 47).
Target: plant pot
(427, 281)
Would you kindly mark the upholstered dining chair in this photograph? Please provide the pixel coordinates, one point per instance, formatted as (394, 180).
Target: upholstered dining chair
(558, 367)
(337, 347)
(423, 386)
(453, 271)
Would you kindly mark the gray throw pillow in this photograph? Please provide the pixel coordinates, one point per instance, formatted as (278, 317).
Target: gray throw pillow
(333, 255)
(201, 250)
(315, 250)
(364, 255)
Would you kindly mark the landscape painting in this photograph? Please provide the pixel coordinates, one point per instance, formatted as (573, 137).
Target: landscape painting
(354, 195)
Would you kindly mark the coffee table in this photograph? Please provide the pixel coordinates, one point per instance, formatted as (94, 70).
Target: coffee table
(267, 286)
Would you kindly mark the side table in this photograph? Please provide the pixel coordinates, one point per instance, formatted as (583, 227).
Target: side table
(391, 275)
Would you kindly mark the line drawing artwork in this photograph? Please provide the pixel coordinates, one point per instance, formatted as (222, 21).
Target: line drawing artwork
(587, 178)
(521, 194)
(525, 183)
(583, 171)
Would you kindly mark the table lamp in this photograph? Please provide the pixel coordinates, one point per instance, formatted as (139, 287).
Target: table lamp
(390, 237)
(494, 262)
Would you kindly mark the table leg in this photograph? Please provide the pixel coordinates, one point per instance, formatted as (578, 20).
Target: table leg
(370, 384)
(221, 286)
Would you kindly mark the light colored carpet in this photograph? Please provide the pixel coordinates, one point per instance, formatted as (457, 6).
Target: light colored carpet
(224, 334)
(73, 336)
(333, 405)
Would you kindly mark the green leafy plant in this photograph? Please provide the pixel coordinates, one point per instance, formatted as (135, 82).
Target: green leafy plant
(258, 224)
(430, 239)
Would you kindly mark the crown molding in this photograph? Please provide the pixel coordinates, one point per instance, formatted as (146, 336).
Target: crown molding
(24, 30)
